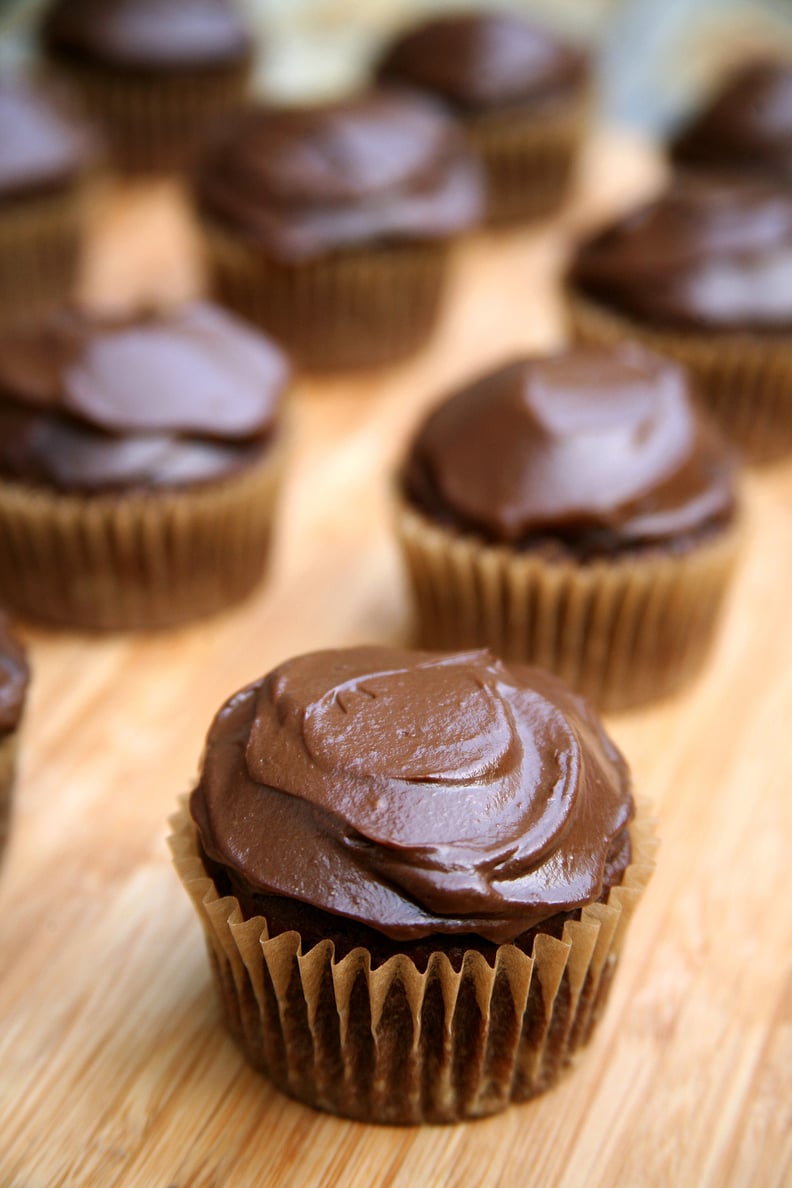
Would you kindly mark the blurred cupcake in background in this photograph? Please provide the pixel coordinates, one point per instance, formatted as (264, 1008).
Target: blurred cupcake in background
(14, 678)
(46, 158)
(330, 225)
(521, 93)
(152, 72)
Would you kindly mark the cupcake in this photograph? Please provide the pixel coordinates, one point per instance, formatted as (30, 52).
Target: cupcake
(330, 226)
(746, 128)
(14, 677)
(703, 274)
(152, 72)
(414, 872)
(45, 157)
(520, 93)
(573, 511)
(139, 462)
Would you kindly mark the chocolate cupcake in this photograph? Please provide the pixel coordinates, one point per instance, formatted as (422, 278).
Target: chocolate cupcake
(46, 154)
(330, 226)
(415, 873)
(152, 72)
(704, 275)
(520, 93)
(573, 511)
(139, 463)
(746, 128)
(14, 677)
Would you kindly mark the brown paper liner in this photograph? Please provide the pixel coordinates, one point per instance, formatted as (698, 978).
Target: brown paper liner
(8, 749)
(529, 158)
(744, 379)
(357, 308)
(155, 122)
(40, 245)
(137, 560)
(393, 1044)
(621, 631)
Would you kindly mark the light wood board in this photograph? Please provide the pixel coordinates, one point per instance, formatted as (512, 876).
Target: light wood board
(114, 1067)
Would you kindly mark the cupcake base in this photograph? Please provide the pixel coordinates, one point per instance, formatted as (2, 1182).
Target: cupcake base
(358, 308)
(396, 1045)
(622, 631)
(8, 749)
(744, 379)
(40, 244)
(137, 560)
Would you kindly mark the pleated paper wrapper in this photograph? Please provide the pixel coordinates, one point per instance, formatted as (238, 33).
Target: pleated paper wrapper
(397, 1045)
(744, 379)
(622, 631)
(8, 750)
(40, 246)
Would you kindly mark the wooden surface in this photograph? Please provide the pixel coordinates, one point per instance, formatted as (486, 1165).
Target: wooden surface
(114, 1068)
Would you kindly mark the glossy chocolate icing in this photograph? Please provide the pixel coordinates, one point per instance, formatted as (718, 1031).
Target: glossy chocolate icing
(43, 145)
(147, 34)
(480, 61)
(414, 793)
(91, 403)
(598, 449)
(709, 254)
(746, 127)
(301, 181)
(14, 678)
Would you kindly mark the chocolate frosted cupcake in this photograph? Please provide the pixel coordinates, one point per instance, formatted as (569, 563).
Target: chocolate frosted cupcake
(139, 462)
(14, 677)
(152, 72)
(703, 274)
(573, 511)
(45, 157)
(520, 93)
(330, 226)
(746, 128)
(474, 861)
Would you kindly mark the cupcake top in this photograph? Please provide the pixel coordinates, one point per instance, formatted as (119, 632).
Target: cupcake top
(299, 181)
(709, 254)
(746, 127)
(480, 61)
(147, 34)
(14, 678)
(43, 146)
(415, 793)
(91, 403)
(600, 450)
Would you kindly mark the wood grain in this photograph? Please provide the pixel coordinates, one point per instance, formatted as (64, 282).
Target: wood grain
(114, 1069)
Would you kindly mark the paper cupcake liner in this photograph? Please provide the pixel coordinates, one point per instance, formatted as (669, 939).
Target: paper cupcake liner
(357, 308)
(40, 245)
(745, 380)
(136, 560)
(396, 1045)
(8, 749)
(529, 159)
(622, 631)
(154, 123)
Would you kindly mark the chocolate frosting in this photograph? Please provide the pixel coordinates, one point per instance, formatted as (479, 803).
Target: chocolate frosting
(709, 254)
(90, 403)
(14, 678)
(415, 793)
(148, 34)
(747, 127)
(42, 143)
(300, 181)
(600, 449)
(479, 61)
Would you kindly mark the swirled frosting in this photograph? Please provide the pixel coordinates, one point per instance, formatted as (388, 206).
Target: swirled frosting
(14, 678)
(91, 403)
(147, 34)
(412, 792)
(480, 61)
(708, 254)
(42, 144)
(600, 449)
(746, 127)
(299, 181)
